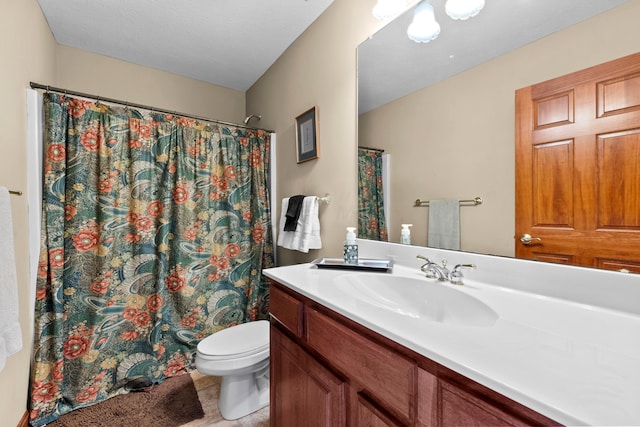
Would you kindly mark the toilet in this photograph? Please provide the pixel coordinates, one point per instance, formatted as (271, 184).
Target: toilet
(240, 355)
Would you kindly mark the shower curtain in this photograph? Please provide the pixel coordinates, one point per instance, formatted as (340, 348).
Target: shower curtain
(371, 219)
(155, 231)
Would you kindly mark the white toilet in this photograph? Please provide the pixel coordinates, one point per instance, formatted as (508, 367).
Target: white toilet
(240, 355)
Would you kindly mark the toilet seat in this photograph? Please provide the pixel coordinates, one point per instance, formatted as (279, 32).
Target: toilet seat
(236, 342)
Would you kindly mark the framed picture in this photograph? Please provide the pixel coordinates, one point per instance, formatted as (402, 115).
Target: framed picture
(307, 144)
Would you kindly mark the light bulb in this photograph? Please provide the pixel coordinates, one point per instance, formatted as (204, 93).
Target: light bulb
(463, 9)
(424, 27)
(386, 9)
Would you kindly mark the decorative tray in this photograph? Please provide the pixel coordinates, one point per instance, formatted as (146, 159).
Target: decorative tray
(364, 264)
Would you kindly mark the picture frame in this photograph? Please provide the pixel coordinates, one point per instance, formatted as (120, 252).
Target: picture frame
(307, 141)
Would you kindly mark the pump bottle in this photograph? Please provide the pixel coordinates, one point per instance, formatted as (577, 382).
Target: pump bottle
(351, 247)
(405, 234)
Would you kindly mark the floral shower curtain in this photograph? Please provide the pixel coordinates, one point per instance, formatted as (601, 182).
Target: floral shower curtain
(155, 231)
(371, 220)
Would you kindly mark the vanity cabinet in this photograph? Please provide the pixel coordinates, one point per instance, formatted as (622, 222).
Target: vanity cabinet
(327, 370)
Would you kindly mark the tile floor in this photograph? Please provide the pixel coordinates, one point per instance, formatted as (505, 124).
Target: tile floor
(208, 389)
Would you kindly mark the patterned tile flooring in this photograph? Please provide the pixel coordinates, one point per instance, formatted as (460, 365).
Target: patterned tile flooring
(208, 389)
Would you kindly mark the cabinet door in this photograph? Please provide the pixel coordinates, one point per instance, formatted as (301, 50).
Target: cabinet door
(460, 408)
(383, 374)
(303, 392)
(368, 415)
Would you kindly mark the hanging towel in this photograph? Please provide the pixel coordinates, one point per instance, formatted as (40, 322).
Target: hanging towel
(10, 334)
(307, 234)
(444, 224)
(293, 213)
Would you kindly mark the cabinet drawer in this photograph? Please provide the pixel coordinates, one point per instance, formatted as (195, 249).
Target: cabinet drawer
(386, 376)
(287, 310)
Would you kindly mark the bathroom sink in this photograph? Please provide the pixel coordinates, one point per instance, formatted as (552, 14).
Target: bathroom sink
(415, 298)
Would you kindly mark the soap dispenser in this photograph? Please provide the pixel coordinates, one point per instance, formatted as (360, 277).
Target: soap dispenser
(351, 247)
(405, 234)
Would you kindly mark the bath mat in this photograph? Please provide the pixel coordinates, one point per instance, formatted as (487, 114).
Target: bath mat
(169, 404)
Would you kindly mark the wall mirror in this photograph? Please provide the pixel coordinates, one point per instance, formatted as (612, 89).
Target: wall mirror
(444, 110)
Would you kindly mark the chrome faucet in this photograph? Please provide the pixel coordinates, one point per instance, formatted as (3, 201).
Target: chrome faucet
(433, 270)
(441, 272)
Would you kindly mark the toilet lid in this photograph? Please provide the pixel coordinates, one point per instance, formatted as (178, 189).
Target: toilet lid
(240, 340)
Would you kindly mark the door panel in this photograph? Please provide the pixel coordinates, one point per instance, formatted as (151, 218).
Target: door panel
(552, 185)
(619, 179)
(619, 95)
(578, 167)
(554, 111)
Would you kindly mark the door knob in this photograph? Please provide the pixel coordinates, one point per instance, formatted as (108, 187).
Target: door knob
(526, 239)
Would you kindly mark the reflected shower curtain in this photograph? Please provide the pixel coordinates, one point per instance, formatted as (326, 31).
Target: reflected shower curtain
(155, 231)
(371, 220)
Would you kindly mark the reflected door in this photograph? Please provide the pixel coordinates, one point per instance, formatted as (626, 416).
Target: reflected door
(578, 168)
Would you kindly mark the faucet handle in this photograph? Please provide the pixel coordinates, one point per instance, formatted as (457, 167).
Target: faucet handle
(427, 265)
(455, 277)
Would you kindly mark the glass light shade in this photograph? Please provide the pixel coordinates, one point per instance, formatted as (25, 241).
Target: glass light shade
(385, 9)
(424, 27)
(463, 9)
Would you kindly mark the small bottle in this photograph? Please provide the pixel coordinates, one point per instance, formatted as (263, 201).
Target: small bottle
(405, 234)
(351, 247)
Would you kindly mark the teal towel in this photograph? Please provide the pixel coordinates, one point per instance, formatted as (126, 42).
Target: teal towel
(444, 224)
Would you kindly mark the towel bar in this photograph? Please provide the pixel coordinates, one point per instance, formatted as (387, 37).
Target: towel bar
(326, 199)
(471, 202)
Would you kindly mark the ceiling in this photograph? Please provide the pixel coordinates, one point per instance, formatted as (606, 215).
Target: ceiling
(390, 65)
(230, 43)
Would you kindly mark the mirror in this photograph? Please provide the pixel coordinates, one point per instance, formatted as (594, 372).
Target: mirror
(444, 110)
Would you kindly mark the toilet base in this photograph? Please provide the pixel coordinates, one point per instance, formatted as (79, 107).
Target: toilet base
(241, 395)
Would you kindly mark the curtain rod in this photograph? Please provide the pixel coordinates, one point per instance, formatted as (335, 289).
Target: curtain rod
(379, 150)
(133, 105)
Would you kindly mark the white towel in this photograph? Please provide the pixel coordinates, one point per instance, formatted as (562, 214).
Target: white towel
(10, 334)
(307, 234)
(444, 224)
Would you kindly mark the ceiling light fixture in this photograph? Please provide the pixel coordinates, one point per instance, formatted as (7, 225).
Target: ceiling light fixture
(385, 9)
(424, 26)
(463, 9)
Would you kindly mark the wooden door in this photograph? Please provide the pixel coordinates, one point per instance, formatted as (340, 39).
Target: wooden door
(578, 167)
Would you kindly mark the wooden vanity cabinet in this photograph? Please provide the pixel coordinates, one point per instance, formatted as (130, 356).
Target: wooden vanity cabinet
(327, 370)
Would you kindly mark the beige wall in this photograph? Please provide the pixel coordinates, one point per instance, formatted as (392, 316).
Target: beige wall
(455, 139)
(318, 69)
(27, 52)
(99, 75)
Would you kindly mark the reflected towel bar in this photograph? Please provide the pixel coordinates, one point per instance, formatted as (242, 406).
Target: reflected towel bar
(472, 202)
(17, 193)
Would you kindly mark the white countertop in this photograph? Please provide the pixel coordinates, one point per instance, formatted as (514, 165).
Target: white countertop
(576, 363)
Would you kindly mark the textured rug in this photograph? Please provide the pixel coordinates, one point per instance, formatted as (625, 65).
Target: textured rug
(169, 404)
